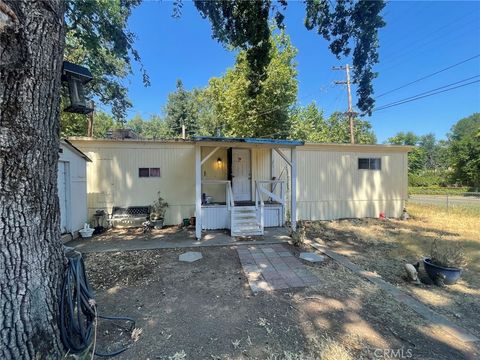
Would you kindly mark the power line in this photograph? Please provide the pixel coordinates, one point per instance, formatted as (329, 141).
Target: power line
(439, 88)
(441, 33)
(428, 76)
(429, 93)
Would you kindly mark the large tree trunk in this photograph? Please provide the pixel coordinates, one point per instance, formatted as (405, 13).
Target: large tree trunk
(31, 257)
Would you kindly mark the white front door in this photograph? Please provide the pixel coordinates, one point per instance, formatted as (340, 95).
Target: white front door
(62, 195)
(241, 175)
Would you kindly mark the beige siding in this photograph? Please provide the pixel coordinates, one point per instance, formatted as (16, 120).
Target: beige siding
(212, 170)
(329, 183)
(331, 186)
(113, 176)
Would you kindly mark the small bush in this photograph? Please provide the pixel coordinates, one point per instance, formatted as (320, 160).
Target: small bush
(448, 254)
(298, 236)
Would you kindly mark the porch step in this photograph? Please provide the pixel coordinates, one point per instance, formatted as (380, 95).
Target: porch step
(244, 221)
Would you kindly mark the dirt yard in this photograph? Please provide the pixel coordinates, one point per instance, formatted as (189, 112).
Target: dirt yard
(385, 246)
(206, 310)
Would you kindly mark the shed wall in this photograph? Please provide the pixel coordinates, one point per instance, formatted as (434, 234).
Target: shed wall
(76, 188)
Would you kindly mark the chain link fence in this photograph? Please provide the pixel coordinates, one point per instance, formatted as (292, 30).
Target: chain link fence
(465, 201)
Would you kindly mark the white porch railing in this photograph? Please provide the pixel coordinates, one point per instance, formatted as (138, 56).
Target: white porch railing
(246, 220)
(228, 190)
(280, 198)
(260, 191)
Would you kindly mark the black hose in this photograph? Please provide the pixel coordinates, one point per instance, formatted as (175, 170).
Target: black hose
(78, 309)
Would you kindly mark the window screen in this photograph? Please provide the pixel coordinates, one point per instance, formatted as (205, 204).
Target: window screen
(370, 163)
(375, 164)
(143, 172)
(364, 163)
(154, 172)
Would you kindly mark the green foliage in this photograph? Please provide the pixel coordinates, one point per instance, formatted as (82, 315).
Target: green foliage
(455, 161)
(464, 150)
(181, 110)
(437, 190)
(102, 123)
(308, 124)
(429, 178)
(425, 150)
(265, 115)
(97, 37)
(348, 24)
(153, 128)
(243, 25)
(73, 124)
(76, 124)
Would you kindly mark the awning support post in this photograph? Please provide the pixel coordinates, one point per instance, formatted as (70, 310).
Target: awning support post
(293, 196)
(198, 192)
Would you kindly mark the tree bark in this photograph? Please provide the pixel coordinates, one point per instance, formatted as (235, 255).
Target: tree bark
(31, 256)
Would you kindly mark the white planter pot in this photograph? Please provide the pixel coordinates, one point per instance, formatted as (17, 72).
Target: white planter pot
(86, 233)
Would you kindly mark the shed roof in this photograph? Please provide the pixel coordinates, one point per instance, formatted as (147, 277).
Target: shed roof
(75, 149)
(263, 141)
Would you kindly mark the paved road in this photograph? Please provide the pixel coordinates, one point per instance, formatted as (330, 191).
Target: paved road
(442, 200)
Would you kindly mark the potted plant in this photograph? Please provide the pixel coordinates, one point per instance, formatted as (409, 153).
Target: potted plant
(157, 212)
(444, 266)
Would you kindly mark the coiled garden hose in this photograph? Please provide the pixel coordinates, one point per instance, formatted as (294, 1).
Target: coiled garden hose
(78, 311)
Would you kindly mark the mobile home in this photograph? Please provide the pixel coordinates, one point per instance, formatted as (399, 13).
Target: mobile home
(246, 184)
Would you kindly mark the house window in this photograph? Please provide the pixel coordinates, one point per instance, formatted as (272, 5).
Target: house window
(143, 172)
(148, 172)
(370, 164)
(154, 172)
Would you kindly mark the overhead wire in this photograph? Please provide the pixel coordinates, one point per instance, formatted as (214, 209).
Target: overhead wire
(429, 93)
(428, 76)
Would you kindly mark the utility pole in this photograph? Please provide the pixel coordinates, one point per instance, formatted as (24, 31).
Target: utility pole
(350, 113)
(90, 120)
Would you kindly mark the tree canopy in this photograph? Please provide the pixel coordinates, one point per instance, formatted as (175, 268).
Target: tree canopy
(308, 124)
(180, 111)
(346, 25)
(464, 139)
(455, 161)
(236, 113)
(97, 37)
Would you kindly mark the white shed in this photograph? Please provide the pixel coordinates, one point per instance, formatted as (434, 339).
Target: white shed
(72, 188)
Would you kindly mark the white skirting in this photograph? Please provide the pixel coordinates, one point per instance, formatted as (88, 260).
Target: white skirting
(218, 216)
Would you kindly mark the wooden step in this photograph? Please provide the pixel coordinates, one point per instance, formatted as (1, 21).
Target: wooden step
(244, 221)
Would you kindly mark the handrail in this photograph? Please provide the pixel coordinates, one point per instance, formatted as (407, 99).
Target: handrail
(259, 198)
(260, 190)
(228, 190)
(230, 201)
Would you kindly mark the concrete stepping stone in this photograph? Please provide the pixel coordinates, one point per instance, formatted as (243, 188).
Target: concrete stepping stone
(190, 256)
(312, 257)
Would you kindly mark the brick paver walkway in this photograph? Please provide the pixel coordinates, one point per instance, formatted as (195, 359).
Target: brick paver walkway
(272, 267)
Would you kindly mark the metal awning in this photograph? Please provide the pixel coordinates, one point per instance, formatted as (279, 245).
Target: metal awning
(257, 141)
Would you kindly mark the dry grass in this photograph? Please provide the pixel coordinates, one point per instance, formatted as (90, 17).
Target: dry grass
(385, 246)
(458, 224)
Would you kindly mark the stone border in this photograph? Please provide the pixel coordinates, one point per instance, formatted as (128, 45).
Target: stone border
(400, 296)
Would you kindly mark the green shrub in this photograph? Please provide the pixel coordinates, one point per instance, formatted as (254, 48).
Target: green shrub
(437, 190)
(428, 178)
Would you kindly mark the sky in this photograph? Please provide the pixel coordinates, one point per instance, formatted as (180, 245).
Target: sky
(420, 38)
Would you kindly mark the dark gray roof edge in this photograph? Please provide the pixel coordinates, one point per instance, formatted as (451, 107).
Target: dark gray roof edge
(251, 140)
(77, 150)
